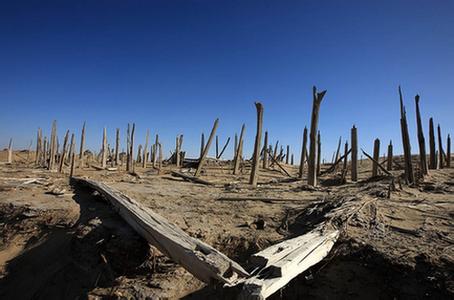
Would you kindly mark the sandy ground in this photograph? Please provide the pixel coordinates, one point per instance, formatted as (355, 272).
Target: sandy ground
(74, 246)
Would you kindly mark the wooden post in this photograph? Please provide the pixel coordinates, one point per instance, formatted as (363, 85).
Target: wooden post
(448, 152)
(159, 156)
(139, 154)
(432, 150)
(354, 164)
(275, 151)
(202, 145)
(287, 156)
(258, 137)
(131, 149)
(303, 153)
(145, 150)
(206, 148)
(217, 146)
(104, 149)
(319, 152)
(440, 149)
(44, 156)
(291, 160)
(344, 166)
(406, 141)
(71, 172)
(177, 151)
(72, 146)
(53, 145)
(63, 152)
(128, 147)
(237, 159)
(39, 145)
(223, 148)
(421, 140)
(82, 144)
(155, 152)
(265, 152)
(235, 146)
(389, 165)
(338, 149)
(376, 157)
(10, 151)
(312, 167)
(117, 147)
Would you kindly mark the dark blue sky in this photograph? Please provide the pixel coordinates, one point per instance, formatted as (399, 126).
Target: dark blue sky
(174, 66)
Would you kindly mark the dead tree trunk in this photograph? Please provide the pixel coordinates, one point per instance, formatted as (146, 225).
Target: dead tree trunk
(235, 145)
(155, 152)
(82, 144)
(237, 159)
(265, 152)
(217, 146)
(440, 149)
(406, 141)
(389, 165)
(312, 168)
(291, 160)
(256, 157)
(117, 147)
(354, 165)
(207, 148)
(71, 172)
(104, 149)
(63, 152)
(128, 147)
(202, 145)
(303, 153)
(287, 156)
(376, 157)
(177, 151)
(72, 146)
(39, 146)
(45, 151)
(275, 150)
(319, 153)
(131, 149)
(448, 152)
(338, 149)
(53, 145)
(432, 154)
(421, 140)
(344, 167)
(145, 150)
(10, 151)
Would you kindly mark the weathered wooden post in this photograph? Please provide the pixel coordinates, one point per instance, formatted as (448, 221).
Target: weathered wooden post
(406, 141)
(448, 152)
(217, 146)
(432, 150)
(45, 151)
(117, 147)
(72, 147)
(344, 166)
(303, 153)
(53, 145)
(287, 156)
(275, 150)
(440, 149)
(104, 149)
(421, 140)
(131, 149)
(63, 152)
(155, 152)
(265, 152)
(159, 156)
(128, 147)
(237, 159)
(39, 145)
(177, 151)
(206, 148)
(291, 160)
(354, 164)
(145, 150)
(319, 152)
(10, 151)
(312, 168)
(73, 158)
(258, 137)
(338, 150)
(202, 144)
(389, 162)
(235, 145)
(376, 157)
(82, 144)
(223, 148)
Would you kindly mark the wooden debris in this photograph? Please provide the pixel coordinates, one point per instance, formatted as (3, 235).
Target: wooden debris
(440, 149)
(104, 149)
(63, 152)
(223, 148)
(261, 199)
(10, 151)
(377, 163)
(279, 165)
(258, 137)
(145, 150)
(389, 165)
(265, 152)
(117, 147)
(448, 152)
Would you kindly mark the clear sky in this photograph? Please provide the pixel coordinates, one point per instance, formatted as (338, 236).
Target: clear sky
(174, 66)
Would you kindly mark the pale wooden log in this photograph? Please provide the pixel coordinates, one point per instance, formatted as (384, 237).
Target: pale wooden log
(237, 159)
(354, 164)
(63, 152)
(200, 259)
(421, 140)
(260, 199)
(117, 147)
(265, 153)
(448, 152)
(389, 165)
(432, 150)
(156, 151)
(377, 163)
(10, 151)
(191, 178)
(206, 148)
(223, 148)
(319, 152)
(409, 175)
(145, 150)
(376, 157)
(440, 148)
(177, 151)
(258, 137)
(82, 145)
(160, 157)
(104, 149)
(279, 165)
(312, 167)
(286, 260)
(303, 153)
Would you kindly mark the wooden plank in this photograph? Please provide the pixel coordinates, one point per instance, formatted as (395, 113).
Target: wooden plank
(200, 259)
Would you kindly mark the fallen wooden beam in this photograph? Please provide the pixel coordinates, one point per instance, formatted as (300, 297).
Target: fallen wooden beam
(282, 262)
(191, 178)
(200, 259)
(262, 199)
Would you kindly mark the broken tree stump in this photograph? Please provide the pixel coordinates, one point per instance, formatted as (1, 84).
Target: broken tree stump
(421, 140)
(354, 164)
(312, 167)
(53, 145)
(432, 150)
(223, 148)
(206, 148)
(287, 156)
(117, 147)
(104, 149)
(145, 150)
(409, 175)
(389, 165)
(237, 159)
(303, 153)
(63, 153)
(82, 144)
(256, 154)
(448, 152)
(265, 152)
(377, 163)
(376, 157)
(319, 153)
(344, 166)
(10, 151)
(440, 148)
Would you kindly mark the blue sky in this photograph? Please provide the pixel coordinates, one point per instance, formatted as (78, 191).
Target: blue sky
(175, 66)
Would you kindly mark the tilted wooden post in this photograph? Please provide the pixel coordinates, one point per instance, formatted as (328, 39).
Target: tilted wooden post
(63, 152)
(287, 156)
(389, 162)
(104, 149)
(432, 150)
(440, 149)
(275, 150)
(421, 140)
(303, 153)
(235, 145)
(206, 148)
(10, 151)
(202, 144)
(73, 158)
(217, 146)
(145, 150)
(376, 157)
(448, 152)
(312, 161)
(237, 159)
(319, 152)
(72, 146)
(82, 144)
(117, 147)
(406, 141)
(265, 152)
(223, 148)
(338, 150)
(258, 137)
(354, 164)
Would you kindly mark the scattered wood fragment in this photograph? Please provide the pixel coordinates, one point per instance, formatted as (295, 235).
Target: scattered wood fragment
(377, 163)
(191, 178)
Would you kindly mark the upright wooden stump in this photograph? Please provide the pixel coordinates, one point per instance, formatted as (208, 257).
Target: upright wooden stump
(117, 147)
(235, 145)
(303, 153)
(104, 149)
(72, 146)
(39, 146)
(206, 148)
(312, 161)
(237, 159)
(376, 157)
(354, 164)
(223, 148)
(73, 157)
(421, 140)
(156, 150)
(345, 165)
(389, 161)
(202, 144)
(448, 152)
(82, 144)
(291, 160)
(265, 152)
(287, 156)
(145, 150)
(440, 149)
(432, 150)
(409, 175)
(53, 145)
(258, 137)
(131, 149)
(10, 151)
(319, 152)
(338, 150)
(63, 152)
(217, 146)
